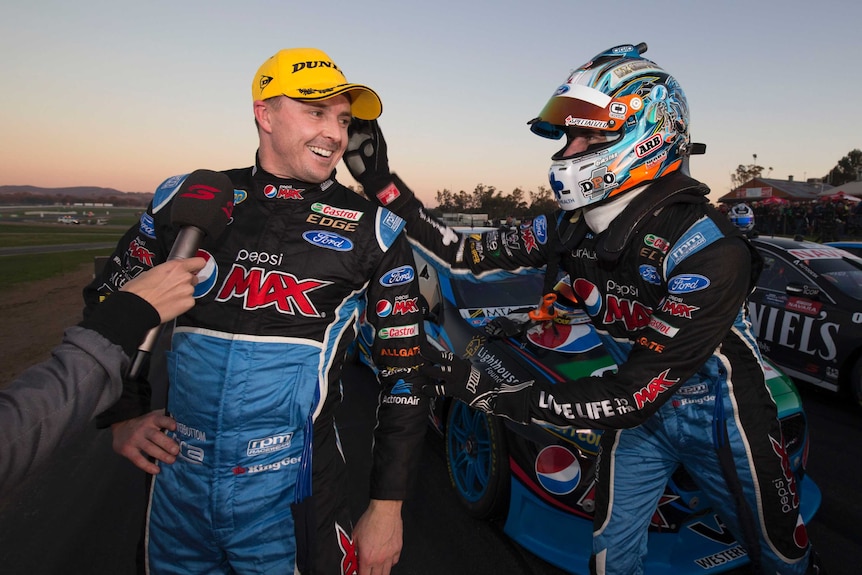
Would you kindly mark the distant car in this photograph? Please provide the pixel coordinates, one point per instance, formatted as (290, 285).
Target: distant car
(854, 248)
(540, 479)
(68, 220)
(807, 312)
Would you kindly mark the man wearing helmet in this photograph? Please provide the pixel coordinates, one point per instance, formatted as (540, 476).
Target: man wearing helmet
(742, 217)
(641, 243)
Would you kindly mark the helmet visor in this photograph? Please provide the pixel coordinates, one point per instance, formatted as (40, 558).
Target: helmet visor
(580, 106)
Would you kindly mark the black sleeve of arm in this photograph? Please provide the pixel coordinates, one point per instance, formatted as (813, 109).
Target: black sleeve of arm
(526, 247)
(676, 349)
(123, 318)
(402, 409)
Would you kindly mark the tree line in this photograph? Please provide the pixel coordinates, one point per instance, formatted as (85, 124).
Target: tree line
(498, 205)
(848, 169)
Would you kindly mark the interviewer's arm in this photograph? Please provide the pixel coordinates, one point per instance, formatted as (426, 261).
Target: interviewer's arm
(56, 399)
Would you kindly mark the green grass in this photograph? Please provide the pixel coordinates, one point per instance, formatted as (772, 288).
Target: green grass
(19, 227)
(123, 217)
(18, 235)
(21, 269)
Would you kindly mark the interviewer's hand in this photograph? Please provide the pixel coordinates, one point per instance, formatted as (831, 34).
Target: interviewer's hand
(143, 436)
(168, 287)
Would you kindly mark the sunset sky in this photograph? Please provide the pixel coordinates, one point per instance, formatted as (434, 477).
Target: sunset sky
(125, 94)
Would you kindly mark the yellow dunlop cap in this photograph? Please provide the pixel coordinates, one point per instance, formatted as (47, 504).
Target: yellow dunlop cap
(309, 74)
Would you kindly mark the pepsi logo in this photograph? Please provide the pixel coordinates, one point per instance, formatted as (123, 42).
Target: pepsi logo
(383, 308)
(207, 276)
(558, 470)
(589, 294)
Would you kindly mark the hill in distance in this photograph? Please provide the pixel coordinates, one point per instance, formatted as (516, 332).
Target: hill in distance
(33, 194)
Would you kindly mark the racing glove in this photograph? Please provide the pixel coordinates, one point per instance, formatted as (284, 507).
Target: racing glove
(367, 160)
(458, 378)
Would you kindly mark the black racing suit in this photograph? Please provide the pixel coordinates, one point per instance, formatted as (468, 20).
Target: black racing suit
(665, 287)
(255, 373)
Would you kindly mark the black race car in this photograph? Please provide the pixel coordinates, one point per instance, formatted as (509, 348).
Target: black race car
(807, 312)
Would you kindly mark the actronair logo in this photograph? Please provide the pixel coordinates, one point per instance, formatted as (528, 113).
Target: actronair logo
(269, 444)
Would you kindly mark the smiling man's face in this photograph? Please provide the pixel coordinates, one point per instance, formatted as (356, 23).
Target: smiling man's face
(303, 140)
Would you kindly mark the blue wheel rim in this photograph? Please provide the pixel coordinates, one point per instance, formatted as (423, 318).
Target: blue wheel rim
(469, 451)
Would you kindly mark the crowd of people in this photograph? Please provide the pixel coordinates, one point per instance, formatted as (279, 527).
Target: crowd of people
(248, 475)
(821, 220)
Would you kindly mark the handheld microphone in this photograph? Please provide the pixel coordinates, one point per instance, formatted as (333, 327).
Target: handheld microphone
(202, 208)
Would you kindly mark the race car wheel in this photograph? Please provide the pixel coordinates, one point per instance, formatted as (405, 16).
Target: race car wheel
(478, 461)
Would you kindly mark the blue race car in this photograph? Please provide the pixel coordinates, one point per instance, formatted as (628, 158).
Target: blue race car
(540, 479)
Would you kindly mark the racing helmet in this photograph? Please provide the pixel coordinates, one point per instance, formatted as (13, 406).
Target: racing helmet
(638, 116)
(742, 216)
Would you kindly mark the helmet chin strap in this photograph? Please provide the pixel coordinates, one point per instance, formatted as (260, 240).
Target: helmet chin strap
(599, 217)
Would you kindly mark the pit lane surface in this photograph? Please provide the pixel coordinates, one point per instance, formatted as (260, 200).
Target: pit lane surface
(83, 514)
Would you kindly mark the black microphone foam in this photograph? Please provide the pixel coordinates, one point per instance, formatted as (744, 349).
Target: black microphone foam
(205, 201)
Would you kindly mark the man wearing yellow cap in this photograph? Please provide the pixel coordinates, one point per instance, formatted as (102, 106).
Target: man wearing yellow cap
(249, 476)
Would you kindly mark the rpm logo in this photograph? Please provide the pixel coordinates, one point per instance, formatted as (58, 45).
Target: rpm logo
(269, 444)
(558, 470)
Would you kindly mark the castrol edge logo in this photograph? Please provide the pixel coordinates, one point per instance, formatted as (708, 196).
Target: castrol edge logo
(399, 331)
(332, 211)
